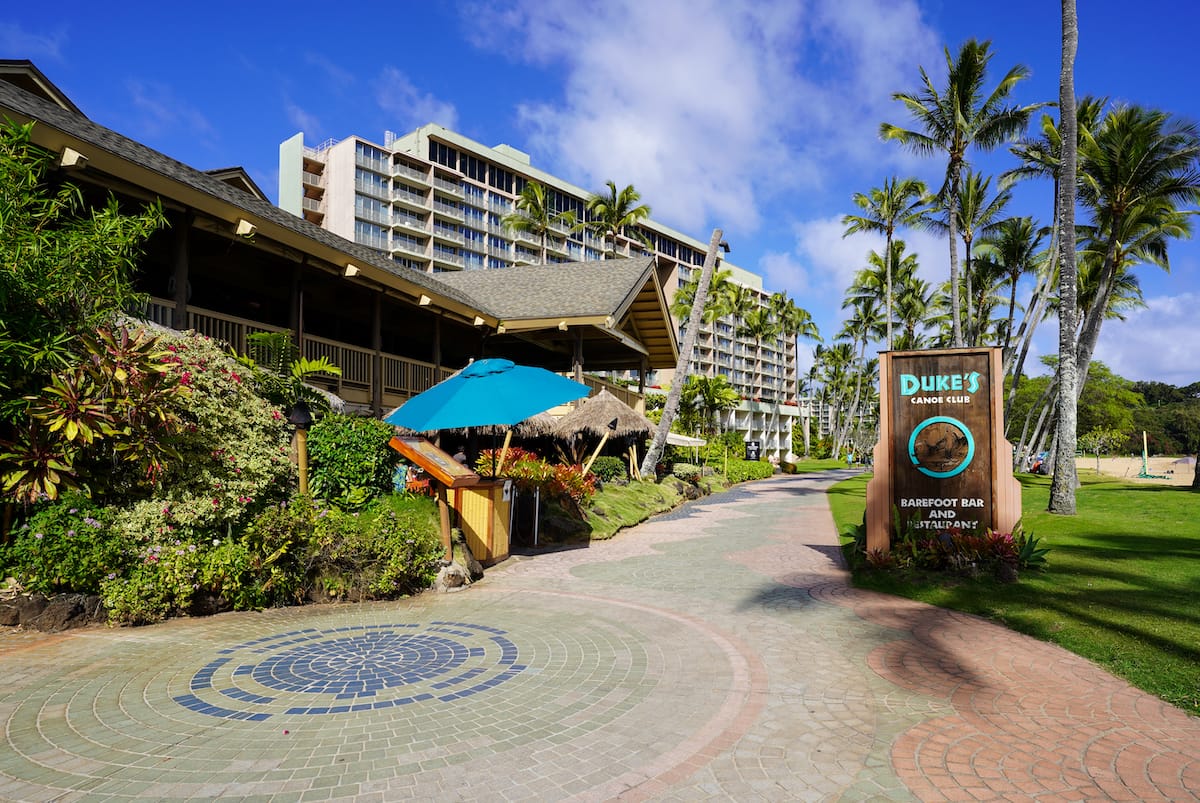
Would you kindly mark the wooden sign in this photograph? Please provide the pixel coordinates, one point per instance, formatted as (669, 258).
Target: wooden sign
(439, 465)
(942, 463)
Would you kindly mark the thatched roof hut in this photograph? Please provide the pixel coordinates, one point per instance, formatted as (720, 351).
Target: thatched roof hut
(594, 415)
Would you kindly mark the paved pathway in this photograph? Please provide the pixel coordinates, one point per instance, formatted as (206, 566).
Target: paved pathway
(715, 653)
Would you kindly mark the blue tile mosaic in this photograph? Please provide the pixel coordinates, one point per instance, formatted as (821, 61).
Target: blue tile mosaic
(350, 669)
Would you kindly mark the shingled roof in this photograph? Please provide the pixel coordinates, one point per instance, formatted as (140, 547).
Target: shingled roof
(145, 167)
(564, 289)
(619, 302)
(617, 299)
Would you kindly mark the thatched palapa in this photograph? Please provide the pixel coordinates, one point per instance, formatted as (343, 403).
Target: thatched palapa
(594, 415)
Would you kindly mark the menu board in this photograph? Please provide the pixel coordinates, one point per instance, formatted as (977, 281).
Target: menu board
(439, 465)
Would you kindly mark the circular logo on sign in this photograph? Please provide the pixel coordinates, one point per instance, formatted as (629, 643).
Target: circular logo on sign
(941, 447)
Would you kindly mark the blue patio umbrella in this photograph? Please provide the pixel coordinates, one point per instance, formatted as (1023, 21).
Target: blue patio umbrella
(486, 392)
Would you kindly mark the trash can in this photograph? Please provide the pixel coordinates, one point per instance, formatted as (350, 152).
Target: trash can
(483, 515)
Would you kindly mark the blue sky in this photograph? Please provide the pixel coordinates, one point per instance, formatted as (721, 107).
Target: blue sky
(758, 116)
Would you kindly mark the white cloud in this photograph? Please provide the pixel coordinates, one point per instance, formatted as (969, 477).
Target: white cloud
(17, 42)
(161, 112)
(714, 109)
(303, 120)
(411, 108)
(1155, 343)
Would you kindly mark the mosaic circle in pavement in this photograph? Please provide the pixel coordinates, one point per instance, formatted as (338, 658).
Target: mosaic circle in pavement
(354, 668)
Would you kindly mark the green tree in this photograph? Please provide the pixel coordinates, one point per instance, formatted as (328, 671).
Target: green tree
(714, 302)
(533, 214)
(759, 325)
(1107, 401)
(899, 202)
(977, 215)
(953, 120)
(616, 214)
(1014, 247)
(709, 396)
(64, 270)
(1141, 165)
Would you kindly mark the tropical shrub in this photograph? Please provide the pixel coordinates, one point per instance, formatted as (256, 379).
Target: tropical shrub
(609, 468)
(954, 551)
(65, 546)
(743, 470)
(64, 270)
(292, 551)
(350, 461)
(563, 484)
(105, 423)
(688, 472)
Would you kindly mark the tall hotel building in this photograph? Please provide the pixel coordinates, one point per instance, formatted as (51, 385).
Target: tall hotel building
(433, 201)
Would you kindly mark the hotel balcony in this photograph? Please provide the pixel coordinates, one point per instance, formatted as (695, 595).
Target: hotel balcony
(409, 223)
(449, 211)
(448, 234)
(407, 199)
(447, 261)
(451, 188)
(410, 246)
(410, 173)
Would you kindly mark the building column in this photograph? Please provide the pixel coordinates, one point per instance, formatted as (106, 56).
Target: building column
(180, 276)
(377, 357)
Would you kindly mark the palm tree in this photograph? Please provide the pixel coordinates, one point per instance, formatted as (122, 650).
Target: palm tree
(1141, 163)
(955, 120)
(758, 325)
(899, 202)
(534, 215)
(793, 322)
(977, 216)
(1062, 485)
(1014, 247)
(616, 214)
(864, 325)
(871, 280)
(914, 300)
(710, 396)
(1041, 157)
(714, 303)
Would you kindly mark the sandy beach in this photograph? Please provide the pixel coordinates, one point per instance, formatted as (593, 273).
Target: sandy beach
(1129, 468)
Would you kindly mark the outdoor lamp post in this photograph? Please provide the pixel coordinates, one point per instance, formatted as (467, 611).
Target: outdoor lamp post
(302, 419)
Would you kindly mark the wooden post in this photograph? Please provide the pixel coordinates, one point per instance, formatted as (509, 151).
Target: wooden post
(302, 453)
(595, 454)
(503, 453)
(444, 518)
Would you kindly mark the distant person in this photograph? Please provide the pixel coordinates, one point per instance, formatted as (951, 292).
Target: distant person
(461, 456)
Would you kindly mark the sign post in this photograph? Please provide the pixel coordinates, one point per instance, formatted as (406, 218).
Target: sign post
(941, 462)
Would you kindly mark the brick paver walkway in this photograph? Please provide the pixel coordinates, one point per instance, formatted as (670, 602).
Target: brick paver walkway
(715, 653)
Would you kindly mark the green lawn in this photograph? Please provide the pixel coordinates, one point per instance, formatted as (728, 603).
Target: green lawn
(1122, 584)
(818, 464)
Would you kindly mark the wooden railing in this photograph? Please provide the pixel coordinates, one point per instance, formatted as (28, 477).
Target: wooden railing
(402, 377)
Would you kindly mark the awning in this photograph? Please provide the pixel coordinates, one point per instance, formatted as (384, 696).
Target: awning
(675, 439)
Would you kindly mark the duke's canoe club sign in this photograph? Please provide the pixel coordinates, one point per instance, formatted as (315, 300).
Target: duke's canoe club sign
(941, 462)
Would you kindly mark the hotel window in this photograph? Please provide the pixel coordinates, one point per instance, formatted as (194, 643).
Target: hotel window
(474, 167)
(443, 154)
(370, 182)
(501, 179)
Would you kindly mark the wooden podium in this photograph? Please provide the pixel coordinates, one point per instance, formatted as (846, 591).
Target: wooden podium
(445, 471)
